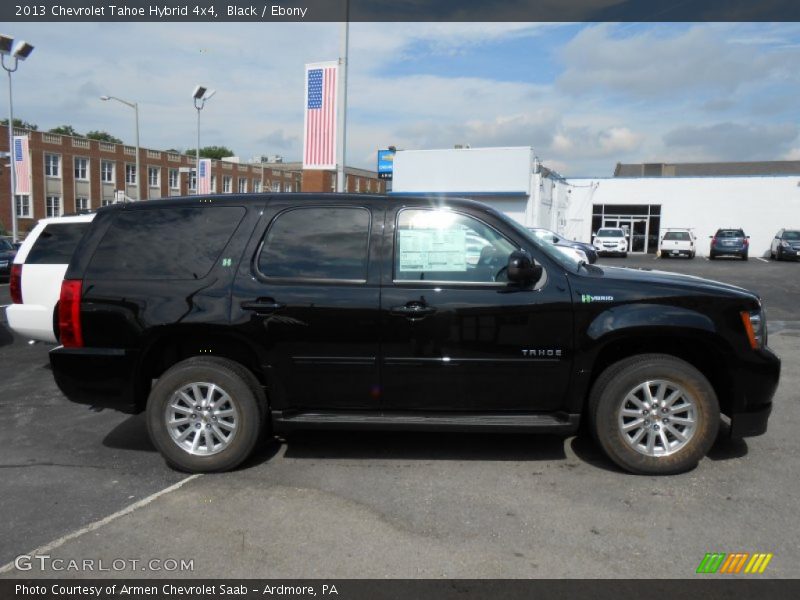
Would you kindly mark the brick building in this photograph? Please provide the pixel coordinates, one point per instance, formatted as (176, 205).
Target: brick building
(71, 174)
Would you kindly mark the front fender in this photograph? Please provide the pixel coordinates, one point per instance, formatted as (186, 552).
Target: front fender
(629, 316)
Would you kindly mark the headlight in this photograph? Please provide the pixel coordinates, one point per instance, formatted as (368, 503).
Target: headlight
(785, 244)
(581, 255)
(755, 325)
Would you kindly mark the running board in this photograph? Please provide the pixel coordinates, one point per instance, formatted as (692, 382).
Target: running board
(403, 421)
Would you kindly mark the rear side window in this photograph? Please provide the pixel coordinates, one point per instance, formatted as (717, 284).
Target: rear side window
(682, 236)
(56, 243)
(317, 243)
(165, 243)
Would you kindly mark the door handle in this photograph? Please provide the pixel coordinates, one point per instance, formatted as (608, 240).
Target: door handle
(262, 305)
(413, 311)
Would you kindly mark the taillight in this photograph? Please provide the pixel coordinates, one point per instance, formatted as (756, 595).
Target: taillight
(746, 242)
(713, 241)
(69, 314)
(15, 284)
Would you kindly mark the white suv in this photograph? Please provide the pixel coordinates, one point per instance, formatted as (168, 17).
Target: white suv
(677, 242)
(37, 273)
(611, 240)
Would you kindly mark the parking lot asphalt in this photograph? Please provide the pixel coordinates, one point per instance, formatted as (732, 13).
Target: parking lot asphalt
(398, 504)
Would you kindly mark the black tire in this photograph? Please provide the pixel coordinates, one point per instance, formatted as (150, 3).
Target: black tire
(245, 394)
(711, 256)
(607, 398)
(744, 256)
(624, 255)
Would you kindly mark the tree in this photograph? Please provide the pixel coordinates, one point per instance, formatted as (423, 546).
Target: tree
(20, 124)
(103, 136)
(216, 152)
(65, 130)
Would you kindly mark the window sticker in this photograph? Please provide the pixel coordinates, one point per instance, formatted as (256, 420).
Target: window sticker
(433, 250)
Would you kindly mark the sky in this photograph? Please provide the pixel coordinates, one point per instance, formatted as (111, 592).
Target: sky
(584, 96)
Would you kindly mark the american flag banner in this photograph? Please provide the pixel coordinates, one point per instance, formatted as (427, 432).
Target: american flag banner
(319, 131)
(204, 176)
(22, 165)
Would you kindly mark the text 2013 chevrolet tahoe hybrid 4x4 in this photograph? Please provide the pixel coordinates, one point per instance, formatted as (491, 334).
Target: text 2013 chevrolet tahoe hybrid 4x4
(228, 317)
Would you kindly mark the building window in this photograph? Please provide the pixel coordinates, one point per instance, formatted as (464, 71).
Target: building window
(52, 165)
(106, 202)
(242, 185)
(276, 186)
(287, 187)
(82, 168)
(193, 180)
(130, 174)
(213, 184)
(173, 179)
(24, 207)
(52, 206)
(256, 185)
(107, 171)
(358, 184)
(81, 204)
(154, 176)
(226, 184)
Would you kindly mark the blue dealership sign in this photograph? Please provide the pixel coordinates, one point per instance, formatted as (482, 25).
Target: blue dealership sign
(385, 163)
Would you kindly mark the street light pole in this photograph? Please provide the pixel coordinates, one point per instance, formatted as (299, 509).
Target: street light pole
(135, 107)
(344, 40)
(200, 96)
(19, 51)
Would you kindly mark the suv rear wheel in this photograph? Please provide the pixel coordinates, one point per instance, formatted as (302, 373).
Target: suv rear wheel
(654, 414)
(206, 414)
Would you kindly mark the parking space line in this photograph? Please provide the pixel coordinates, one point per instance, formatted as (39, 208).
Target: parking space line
(104, 521)
(762, 259)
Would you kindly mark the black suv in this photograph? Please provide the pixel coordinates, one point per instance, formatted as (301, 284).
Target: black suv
(229, 317)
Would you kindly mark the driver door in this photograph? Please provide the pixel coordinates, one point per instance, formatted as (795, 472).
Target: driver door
(456, 335)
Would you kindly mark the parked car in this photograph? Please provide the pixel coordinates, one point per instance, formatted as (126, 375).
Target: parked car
(7, 253)
(588, 252)
(36, 276)
(255, 314)
(786, 245)
(612, 241)
(729, 242)
(677, 242)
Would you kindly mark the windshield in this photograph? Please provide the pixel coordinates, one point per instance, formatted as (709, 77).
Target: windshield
(5, 245)
(611, 233)
(566, 260)
(677, 235)
(543, 234)
(791, 235)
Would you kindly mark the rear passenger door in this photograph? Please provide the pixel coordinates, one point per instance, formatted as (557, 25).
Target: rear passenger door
(309, 297)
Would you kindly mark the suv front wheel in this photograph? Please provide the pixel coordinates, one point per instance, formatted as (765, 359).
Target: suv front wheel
(654, 414)
(206, 414)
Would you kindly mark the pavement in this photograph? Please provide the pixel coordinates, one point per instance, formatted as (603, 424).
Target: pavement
(78, 484)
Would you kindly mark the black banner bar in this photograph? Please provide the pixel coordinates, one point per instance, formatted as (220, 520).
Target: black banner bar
(399, 10)
(741, 588)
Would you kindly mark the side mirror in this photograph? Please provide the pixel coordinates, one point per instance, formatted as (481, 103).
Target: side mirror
(521, 268)
(556, 240)
(747, 237)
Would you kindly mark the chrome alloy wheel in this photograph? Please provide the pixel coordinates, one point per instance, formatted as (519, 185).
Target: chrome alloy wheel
(658, 417)
(201, 418)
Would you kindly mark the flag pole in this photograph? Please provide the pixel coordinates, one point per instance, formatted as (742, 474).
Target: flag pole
(341, 129)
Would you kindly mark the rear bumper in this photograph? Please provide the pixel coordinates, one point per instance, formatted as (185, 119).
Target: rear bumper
(99, 377)
(723, 251)
(32, 321)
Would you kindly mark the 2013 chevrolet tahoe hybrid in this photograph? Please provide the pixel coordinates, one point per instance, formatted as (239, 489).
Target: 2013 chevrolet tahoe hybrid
(231, 317)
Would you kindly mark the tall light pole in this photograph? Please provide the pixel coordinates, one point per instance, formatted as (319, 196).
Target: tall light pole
(135, 107)
(344, 40)
(19, 51)
(200, 96)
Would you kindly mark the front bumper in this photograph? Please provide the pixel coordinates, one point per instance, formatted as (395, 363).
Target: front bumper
(754, 384)
(99, 377)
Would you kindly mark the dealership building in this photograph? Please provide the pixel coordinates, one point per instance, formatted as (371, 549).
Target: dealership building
(71, 174)
(645, 199)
